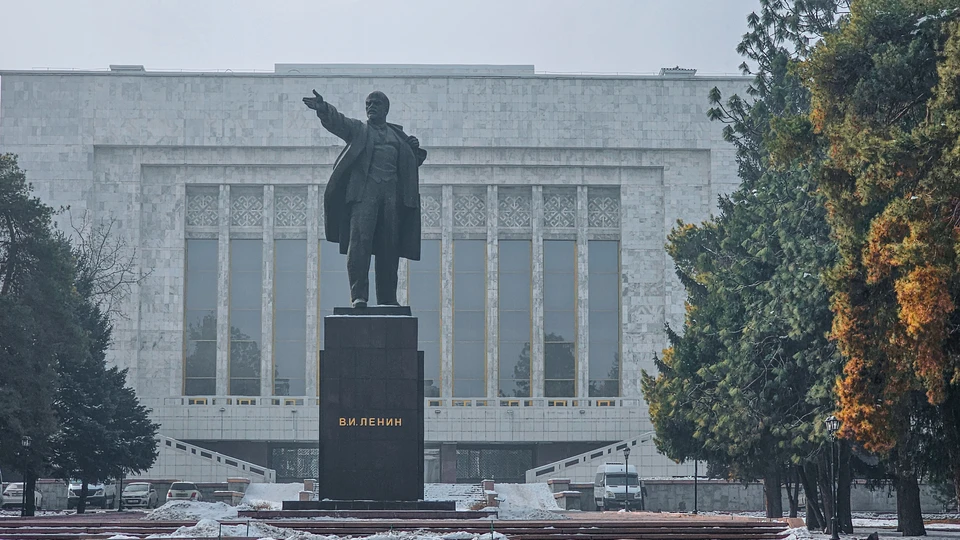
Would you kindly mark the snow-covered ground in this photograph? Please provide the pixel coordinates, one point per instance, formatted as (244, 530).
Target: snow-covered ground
(467, 496)
(214, 529)
(270, 496)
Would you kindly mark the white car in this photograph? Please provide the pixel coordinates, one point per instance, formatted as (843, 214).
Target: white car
(13, 496)
(183, 491)
(137, 494)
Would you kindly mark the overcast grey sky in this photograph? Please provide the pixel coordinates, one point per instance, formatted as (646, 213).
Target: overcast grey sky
(632, 36)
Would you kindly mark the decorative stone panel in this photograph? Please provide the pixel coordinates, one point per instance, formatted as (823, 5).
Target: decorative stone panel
(560, 207)
(469, 207)
(514, 207)
(603, 207)
(430, 205)
(202, 206)
(290, 206)
(246, 206)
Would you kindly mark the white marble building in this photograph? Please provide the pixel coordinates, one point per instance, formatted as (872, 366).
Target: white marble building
(544, 286)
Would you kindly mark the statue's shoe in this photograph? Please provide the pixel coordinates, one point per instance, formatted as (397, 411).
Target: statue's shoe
(359, 304)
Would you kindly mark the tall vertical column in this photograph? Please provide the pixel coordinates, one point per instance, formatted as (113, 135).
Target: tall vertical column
(313, 278)
(493, 287)
(583, 302)
(266, 341)
(536, 309)
(223, 292)
(446, 292)
(403, 282)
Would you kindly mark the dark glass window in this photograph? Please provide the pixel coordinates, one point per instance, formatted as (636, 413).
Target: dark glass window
(200, 311)
(469, 328)
(290, 317)
(246, 293)
(514, 304)
(559, 318)
(423, 292)
(604, 317)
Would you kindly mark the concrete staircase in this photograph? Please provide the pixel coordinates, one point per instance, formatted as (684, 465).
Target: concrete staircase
(582, 468)
(183, 461)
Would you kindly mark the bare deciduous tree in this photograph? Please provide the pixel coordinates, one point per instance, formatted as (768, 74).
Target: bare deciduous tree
(105, 262)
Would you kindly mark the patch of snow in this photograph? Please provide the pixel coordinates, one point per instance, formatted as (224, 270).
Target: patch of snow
(426, 535)
(467, 496)
(188, 510)
(801, 532)
(526, 496)
(270, 496)
(533, 502)
(210, 528)
(121, 536)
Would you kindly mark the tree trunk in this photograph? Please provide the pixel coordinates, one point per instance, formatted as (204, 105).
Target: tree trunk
(808, 473)
(956, 485)
(896, 486)
(82, 501)
(771, 491)
(29, 499)
(844, 482)
(908, 503)
(826, 482)
(793, 490)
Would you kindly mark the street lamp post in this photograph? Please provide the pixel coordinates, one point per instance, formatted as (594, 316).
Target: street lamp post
(626, 478)
(695, 474)
(833, 424)
(25, 443)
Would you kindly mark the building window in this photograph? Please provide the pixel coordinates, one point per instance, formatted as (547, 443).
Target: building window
(200, 311)
(604, 318)
(424, 295)
(514, 304)
(246, 292)
(559, 318)
(290, 318)
(469, 329)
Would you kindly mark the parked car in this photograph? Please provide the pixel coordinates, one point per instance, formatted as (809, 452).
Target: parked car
(184, 491)
(139, 494)
(102, 494)
(13, 496)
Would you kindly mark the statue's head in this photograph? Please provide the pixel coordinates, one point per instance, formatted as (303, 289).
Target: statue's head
(377, 106)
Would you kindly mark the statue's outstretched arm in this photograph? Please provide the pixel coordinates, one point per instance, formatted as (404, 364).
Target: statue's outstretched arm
(334, 121)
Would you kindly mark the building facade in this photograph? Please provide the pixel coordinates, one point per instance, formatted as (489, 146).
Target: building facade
(542, 292)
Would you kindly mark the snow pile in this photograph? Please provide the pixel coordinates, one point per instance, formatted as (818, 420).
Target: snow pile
(270, 496)
(527, 502)
(467, 496)
(189, 510)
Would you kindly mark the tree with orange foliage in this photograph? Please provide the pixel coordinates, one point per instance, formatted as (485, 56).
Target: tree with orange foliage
(885, 100)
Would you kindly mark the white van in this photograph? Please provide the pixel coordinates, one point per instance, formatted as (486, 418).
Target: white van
(615, 487)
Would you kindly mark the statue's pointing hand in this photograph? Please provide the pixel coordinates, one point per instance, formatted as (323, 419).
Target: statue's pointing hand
(315, 102)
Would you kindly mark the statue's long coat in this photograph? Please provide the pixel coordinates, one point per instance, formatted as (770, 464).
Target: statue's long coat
(350, 176)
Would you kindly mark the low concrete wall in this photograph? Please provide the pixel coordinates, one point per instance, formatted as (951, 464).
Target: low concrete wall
(723, 496)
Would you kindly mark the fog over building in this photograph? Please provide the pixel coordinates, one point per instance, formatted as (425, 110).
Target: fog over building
(542, 292)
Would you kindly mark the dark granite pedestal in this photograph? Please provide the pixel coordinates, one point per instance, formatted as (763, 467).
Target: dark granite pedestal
(371, 406)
